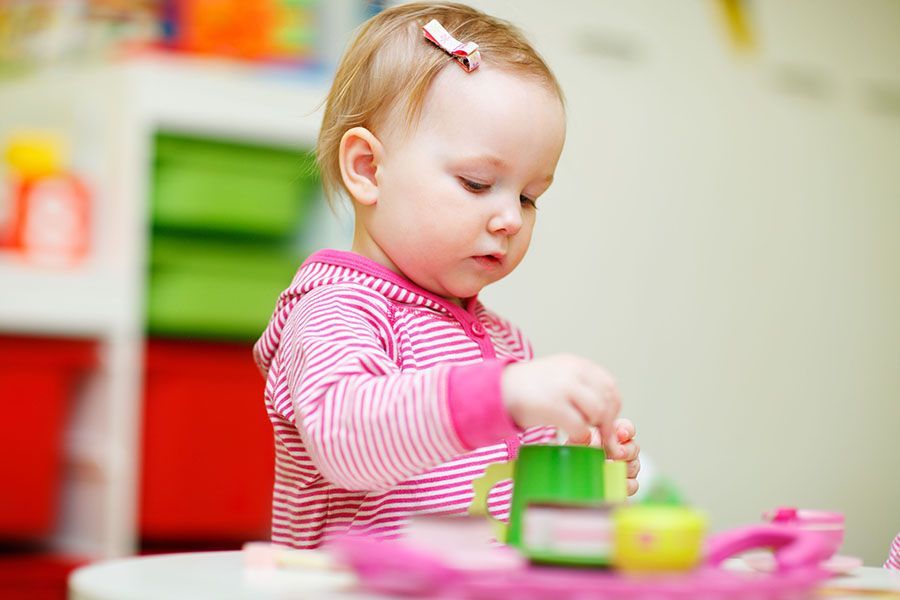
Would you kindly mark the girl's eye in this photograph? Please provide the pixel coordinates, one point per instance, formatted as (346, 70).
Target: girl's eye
(526, 201)
(474, 186)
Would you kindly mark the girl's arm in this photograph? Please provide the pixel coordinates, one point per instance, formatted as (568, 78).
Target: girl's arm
(366, 425)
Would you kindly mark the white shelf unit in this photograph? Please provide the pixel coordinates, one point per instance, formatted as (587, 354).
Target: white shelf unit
(112, 113)
(66, 303)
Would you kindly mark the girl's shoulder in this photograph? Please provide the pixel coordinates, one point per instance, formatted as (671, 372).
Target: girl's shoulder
(491, 317)
(505, 333)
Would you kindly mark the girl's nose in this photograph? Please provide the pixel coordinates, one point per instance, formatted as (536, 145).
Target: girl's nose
(507, 218)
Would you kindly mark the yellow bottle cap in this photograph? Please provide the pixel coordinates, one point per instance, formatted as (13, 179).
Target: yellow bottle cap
(34, 154)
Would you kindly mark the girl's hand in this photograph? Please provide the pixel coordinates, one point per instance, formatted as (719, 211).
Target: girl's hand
(628, 449)
(629, 453)
(565, 391)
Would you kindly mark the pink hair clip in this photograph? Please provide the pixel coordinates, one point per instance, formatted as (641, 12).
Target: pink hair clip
(467, 54)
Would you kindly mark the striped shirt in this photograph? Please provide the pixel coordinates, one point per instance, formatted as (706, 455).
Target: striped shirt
(384, 399)
(893, 559)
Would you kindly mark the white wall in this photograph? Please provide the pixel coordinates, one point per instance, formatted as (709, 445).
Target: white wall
(725, 231)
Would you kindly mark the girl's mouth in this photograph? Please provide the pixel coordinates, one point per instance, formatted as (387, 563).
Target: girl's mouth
(489, 260)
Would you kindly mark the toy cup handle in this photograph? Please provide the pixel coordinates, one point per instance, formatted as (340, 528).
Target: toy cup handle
(494, 474)
(793, 548)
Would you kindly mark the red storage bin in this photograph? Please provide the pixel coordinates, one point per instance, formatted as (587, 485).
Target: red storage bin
(38, 378)
(208, 452)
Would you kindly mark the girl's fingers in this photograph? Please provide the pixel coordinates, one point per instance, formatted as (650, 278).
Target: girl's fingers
(598, 379)
(633, 467)
(580, 441)
(624, 429)
(589, 403)
(572, 422)
(630, 451)
(619, 451)
(632, 487)
(597, 411)
(613, 448)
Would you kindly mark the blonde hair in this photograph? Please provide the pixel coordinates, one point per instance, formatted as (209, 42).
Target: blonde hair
(390, 64)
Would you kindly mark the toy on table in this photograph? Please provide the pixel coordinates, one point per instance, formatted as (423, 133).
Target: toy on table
(567, 510)
(394, 567)
(662, 490)
(561, 500)
(828, 526)
(561, 516)
(657, 538)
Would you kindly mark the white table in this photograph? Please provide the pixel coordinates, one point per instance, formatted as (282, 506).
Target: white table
(222, 576)
(201, 576)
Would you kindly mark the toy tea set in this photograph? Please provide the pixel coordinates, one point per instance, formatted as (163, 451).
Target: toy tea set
(570, 534)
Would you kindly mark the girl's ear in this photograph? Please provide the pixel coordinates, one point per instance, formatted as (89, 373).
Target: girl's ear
(360, 153)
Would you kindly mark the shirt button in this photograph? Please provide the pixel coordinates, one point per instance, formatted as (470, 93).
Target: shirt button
(477, 329)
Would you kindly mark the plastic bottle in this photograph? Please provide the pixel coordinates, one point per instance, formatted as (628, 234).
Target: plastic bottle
(49, 212)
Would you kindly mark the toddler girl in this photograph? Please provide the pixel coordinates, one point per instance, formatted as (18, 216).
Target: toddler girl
(390, 387)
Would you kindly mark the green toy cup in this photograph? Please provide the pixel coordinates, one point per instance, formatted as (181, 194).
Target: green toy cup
(576, 476)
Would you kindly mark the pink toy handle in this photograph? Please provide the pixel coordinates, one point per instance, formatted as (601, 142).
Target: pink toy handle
(793, 548)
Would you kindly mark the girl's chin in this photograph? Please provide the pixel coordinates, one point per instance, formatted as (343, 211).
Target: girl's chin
(459, 294)
(463, 285)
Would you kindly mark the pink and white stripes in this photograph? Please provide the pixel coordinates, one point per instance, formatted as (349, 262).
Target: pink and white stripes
(384, 400)
(893, 559)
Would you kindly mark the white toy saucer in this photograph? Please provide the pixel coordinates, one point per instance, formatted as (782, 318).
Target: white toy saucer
(836, 565)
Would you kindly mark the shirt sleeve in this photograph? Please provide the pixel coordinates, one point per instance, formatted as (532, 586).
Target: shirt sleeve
(365, 424)
(893, 559)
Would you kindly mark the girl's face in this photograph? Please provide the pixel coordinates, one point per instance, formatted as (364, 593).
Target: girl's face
(456, 196)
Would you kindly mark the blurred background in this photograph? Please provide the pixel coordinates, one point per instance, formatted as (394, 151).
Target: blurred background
(725, 220)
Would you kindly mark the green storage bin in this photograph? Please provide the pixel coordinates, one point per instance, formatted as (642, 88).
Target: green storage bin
(215, 289)
(205, 185)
